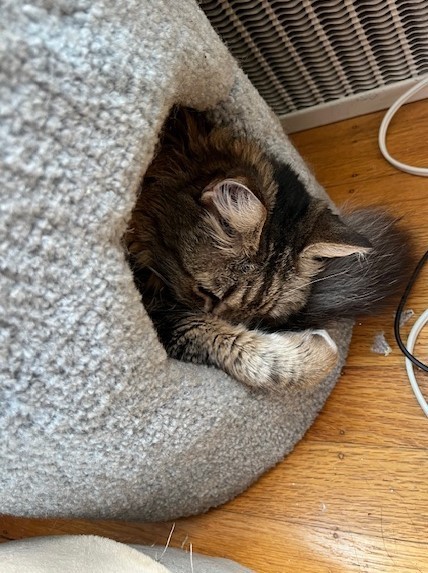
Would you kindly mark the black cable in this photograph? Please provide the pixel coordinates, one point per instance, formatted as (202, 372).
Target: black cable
(400, 308)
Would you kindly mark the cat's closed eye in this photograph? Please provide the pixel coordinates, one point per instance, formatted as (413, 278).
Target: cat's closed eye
(206, 293)
(209, 298)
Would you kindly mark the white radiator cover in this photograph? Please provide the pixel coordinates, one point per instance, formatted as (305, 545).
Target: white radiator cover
(318, 61)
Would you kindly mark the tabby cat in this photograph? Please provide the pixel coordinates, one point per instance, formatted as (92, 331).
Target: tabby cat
(234, 258)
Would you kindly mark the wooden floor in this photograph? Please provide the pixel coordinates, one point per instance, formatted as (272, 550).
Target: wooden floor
(353, 496)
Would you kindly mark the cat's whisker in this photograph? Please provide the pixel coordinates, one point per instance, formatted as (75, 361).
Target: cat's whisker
(191, 558)
(310, 283)
(159, 275)
(167, 543)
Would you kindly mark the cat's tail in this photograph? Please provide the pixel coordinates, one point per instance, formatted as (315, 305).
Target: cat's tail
(359, 285)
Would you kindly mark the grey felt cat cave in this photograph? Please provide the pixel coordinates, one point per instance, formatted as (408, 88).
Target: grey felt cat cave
(95, 420)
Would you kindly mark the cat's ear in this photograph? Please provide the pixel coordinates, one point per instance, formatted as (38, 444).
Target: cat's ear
(235, 215)
(332, 238)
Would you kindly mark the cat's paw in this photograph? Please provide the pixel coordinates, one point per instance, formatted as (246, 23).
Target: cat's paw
(278, 360)
(320, 356)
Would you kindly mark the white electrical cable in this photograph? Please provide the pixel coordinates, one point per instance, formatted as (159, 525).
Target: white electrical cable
(413, 170)
(413, 335)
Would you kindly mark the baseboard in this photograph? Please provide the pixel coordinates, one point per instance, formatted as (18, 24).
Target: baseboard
(345, 108)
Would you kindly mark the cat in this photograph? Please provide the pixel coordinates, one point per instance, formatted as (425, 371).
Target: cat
(235, 260)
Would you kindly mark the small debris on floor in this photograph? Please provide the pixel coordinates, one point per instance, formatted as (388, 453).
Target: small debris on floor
(406, 316)
(380, 345)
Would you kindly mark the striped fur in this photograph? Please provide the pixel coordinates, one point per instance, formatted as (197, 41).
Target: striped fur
(224, 244)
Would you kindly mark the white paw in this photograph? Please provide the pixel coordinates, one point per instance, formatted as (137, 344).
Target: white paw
(278, 360)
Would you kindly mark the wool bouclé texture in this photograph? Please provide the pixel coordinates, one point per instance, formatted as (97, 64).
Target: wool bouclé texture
(95, 420)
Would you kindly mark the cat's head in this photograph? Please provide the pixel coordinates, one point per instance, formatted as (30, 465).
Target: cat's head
(246, 252)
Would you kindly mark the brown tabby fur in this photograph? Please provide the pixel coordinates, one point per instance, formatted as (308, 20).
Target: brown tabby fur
(224, 243)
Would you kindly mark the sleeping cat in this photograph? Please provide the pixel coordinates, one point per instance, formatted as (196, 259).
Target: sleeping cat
(232, 256)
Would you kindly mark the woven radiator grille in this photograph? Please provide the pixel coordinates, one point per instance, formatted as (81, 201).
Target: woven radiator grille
(302, 53)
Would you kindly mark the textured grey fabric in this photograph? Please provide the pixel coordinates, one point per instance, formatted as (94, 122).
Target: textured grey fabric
(95, 421)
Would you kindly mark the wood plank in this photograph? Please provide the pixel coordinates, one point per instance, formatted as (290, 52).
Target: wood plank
(267, 545)
(368, 408)
(365, 484)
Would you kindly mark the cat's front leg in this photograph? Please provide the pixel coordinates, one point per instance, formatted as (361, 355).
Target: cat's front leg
(259, 359)
(278, 360)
